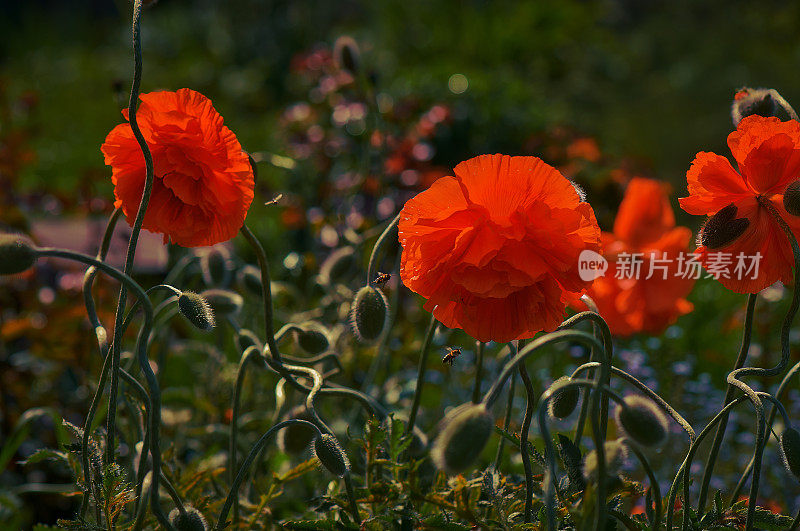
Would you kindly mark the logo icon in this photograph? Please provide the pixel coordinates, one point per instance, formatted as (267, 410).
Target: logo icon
(591, 265)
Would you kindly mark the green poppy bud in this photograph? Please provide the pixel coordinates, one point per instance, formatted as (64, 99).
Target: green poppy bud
(216, 266)
(761, 101)
(295, 439)
(615, 454)
(339, 265)
(17, 254)
(346, 54)
(790, 450)
(249, 279)
(247, 338)
(190, 520)
(197, 310)
(369, 314)
(642, 421)
(791, 199)
(465, 431)
(563, 402)
(331, 455)
(312, 338)
(224, 302)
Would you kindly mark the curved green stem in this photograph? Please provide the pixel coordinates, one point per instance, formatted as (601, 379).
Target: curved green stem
(373, 257)
(266, 291)
(747, 331)
(476, 390)
(423, 361)
(523, 441)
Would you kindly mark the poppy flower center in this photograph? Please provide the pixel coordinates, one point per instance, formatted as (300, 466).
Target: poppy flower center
(723, 228)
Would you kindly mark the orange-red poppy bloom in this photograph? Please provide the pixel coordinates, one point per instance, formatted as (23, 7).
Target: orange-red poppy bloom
(742, 231)
(203, 181)
(648, 278)
(494, 249)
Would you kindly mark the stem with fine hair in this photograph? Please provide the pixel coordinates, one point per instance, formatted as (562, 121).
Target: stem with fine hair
(523, 441)
(382, 239)
(747, 331)
(233, 493)
(116, 344)
(476, 390)
(266, 291)
(423, 361)
(506, 423)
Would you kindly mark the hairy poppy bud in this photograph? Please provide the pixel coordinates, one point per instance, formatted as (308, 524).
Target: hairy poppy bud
(370, 313)
(642, 421)
(330, 455)
(295, 439)
(189, 520)
(346, 54)
(17, 254)
(615, 453)
(722, 228)
(197, 310)
(464, 434)
(338, 265)
(312, 338)
(216, 266)
(761, 101)
(224, 302)
(790, 450)
(249, 279)
(246, 338)
(791, 199)
(563, 402)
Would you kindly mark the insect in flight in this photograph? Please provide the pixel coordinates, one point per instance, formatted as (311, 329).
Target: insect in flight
(452, 354)
(382, 278)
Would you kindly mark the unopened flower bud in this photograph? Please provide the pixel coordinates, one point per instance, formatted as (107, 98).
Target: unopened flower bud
(295, 439)
(331, 455)
(722, 228)
(791, 199)
(216, 266)
(563, 402)
(189, 520)
(790, 450)
(197, 310)
(615, 455)
(642, 421)
(17, 254)
(312, 338)
(761, 101)
(346, 54)
(370, 313)
(247, 338)
(465, 431)
(338, 265)
(249, 279)
(224, 302)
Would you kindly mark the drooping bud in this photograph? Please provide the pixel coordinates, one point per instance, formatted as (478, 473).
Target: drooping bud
(197, 310)
(369, 314)
(216, 266)
(465, 431)
(642, 421)
(337, 266)
(17, 254)
(346, 54)
(790, 450)
(331, 455)
(189, 520)
(224, 302)
(295, 439)
(722, 228)
(791, 199)
(563, 402)
(761, 101)
(615, 455)
(247, 338)
(312, 337)
(249, 279)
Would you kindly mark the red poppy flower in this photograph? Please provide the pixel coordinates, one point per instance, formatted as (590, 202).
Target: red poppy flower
(203, 182)
(644, 287)
(742, 231)
(495, 247)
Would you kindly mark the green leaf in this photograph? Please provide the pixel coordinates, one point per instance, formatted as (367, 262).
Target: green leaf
(44, 454)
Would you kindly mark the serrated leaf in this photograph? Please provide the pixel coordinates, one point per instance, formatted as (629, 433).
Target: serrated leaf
(573, 462)
(770, 521)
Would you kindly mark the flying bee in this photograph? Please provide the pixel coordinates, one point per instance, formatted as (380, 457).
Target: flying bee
(452, 354)
(382, 278)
